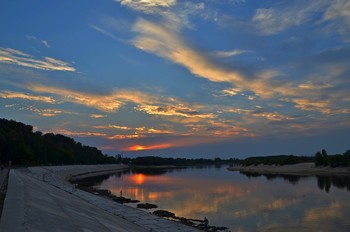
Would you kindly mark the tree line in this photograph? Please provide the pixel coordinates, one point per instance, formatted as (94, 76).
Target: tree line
(320, 159)
(276, 160)
(338, 160)
(155, 160)
(19, 145)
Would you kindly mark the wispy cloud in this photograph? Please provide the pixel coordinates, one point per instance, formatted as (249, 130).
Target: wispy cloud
(273, 116)
(43, 42)
(167, 43)
(148, 103)
(98, 116)
(147, 6)
(309, 105)
(44, 112)
(25, 96)
(338, 11)
(76, 133)
(106, 103)
(104, 31)
(225, 54)
(271, 21)
(16, 57)
(173, 110)
(111, 126)
(113, 27)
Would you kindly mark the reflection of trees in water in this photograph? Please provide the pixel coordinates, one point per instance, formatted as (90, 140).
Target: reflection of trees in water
(341, 182)
(95, 180)
(161, 171)
(323, 182)
(292, 179)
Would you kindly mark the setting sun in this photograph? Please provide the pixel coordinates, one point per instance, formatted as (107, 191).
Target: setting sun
(139, 148)
(139, 179)
(150, 147)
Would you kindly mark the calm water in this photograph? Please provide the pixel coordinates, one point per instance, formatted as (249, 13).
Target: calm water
(238, 201)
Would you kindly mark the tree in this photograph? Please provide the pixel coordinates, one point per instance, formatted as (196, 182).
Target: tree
(318, 159)
(325, 157)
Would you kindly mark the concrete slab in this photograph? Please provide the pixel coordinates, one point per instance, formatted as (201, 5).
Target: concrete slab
(40, 199)
(32, 205)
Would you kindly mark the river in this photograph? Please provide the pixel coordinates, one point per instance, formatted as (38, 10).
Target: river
(238, 201)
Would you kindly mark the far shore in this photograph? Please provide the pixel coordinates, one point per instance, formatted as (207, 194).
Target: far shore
(302, 169)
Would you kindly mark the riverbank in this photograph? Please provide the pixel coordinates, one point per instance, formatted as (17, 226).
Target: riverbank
(41, 199)
(303, 169)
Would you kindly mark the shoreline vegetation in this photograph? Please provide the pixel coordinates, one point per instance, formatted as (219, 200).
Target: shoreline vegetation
(319, 164)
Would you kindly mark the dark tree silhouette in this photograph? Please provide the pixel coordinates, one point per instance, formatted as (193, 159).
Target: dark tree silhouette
(20, 145)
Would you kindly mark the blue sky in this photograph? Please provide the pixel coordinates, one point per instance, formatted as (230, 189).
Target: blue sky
(179, 78)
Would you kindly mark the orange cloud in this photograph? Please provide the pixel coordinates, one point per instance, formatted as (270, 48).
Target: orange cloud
(24, 96)
(75, 133)
(306, 104)
(174, 110)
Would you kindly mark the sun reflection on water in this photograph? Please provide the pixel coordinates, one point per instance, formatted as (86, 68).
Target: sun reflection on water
(233, 200)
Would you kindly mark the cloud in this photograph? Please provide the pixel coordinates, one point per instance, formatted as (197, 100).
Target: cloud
(309, 105)
(112, 27)
(231, 92)
(148, 6)
(173, 110)
(150, 104)
(75, 133)
(12, 56)
(133, 133)
(339, 11)
(111, 126)
(106, 103)
(272, 116)
(225, 54)
(45, 112)
(103, 31)
(166, 42)
(43, 42)
(98, 116)
(315, 86)
(270, 21)
(24, 96)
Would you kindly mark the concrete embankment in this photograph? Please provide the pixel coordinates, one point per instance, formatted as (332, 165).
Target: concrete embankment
(41, 199)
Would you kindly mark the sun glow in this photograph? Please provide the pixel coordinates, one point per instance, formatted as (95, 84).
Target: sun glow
(139, 179)
(150, 147)
(139, 148)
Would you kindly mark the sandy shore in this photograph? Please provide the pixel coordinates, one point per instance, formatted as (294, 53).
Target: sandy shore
(303, 169)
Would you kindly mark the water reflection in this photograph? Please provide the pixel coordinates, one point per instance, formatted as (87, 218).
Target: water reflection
(256, 203)
(326, 182)
(323, 182)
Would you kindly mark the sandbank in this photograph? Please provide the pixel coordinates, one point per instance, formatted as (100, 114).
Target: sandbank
(303, 169)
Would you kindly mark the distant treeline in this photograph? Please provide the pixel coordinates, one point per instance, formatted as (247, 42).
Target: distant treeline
(155, 160)
(20, 145)
(320, 159)
(276, 160)
(338, 160)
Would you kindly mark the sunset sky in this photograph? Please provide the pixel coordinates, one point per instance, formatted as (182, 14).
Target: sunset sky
(202, 78)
